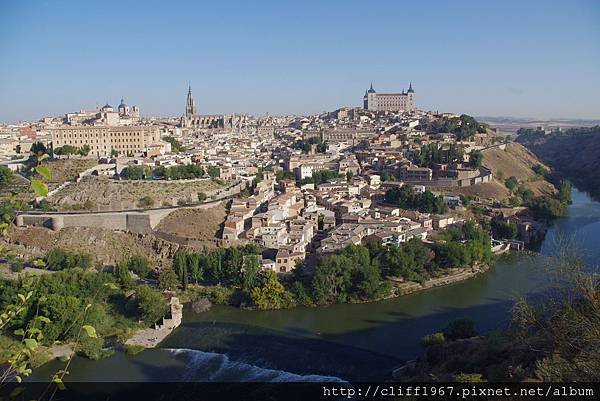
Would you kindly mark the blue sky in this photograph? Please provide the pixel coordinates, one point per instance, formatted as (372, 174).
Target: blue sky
(511, 58)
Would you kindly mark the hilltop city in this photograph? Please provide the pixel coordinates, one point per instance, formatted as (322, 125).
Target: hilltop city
(297, 186)
(354, 205)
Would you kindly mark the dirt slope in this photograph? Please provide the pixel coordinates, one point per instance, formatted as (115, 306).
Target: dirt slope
(516, 161)
(196, 224)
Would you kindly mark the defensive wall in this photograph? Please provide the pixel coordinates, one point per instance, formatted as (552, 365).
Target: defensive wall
(133, 221)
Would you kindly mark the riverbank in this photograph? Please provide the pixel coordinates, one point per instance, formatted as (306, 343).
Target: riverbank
(456, 275)
(399, 288)
(350, 341)
(151, 337)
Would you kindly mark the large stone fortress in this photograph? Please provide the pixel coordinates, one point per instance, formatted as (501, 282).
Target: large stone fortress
(403, 101)
(103, 140)
(215, 121)
(106, 131)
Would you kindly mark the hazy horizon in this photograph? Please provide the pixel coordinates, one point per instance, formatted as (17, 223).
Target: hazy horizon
(524, 60)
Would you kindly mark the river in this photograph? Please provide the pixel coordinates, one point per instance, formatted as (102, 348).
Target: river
(341, 342)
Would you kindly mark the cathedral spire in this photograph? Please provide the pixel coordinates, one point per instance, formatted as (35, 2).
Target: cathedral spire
(190, 105)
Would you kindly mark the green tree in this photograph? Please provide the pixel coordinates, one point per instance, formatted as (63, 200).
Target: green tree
(214, 171)
(151, 304)
(181, 268)
(140, 265)
(475, 158)
(84, 150)
(511, 183)
(504, 229)
(176, 146)
(167, 279)
(201, 196)
(270, 294)
(460, 328)
(6, 177)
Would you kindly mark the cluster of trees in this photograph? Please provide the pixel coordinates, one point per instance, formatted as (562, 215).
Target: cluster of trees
(58, 306)
(463, 127)
(176, 146)
(68, 150)
(178, 172)
(386, 176)
(475, 159)
(227, 266)
(6, 177)
(348, 275)
(320, 177)
(504, 229)
(430, 154)
(358, 272)
(61, 259)
(511, 183)
(425, 202)
(237, 267)
(540, 170)
(354, 274)
(133, 172)
(305, 145)
(546, 207)
(285, 175)
(463, 247)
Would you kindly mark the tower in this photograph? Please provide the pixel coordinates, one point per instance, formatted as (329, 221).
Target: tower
(370, 99)
(190, 105)
(411, 98)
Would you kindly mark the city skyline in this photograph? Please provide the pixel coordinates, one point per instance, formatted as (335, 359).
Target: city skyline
(323, 57)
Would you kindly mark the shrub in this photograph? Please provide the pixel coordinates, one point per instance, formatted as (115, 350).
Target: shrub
(59, 259)
(167, 279)
(468, 378)
(140, 265)
(133, 349)
(460, 328)
(92, 348)
(146, 202)
(432, 339)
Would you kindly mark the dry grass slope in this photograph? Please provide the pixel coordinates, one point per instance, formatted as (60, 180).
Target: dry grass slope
(105, 194)
(197, 224)
(516, 161)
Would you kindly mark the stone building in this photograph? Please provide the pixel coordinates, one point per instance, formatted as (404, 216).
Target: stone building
(102, 139)
(403, 101)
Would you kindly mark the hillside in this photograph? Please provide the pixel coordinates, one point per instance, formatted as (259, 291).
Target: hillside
(199, 225)
(107, 246)
(102, 193)
(574, 155)
(517, 161)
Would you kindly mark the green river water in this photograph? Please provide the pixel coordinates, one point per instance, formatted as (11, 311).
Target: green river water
(348, 342)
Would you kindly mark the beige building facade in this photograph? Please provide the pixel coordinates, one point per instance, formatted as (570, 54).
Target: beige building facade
(403, 101)
(103, 139)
